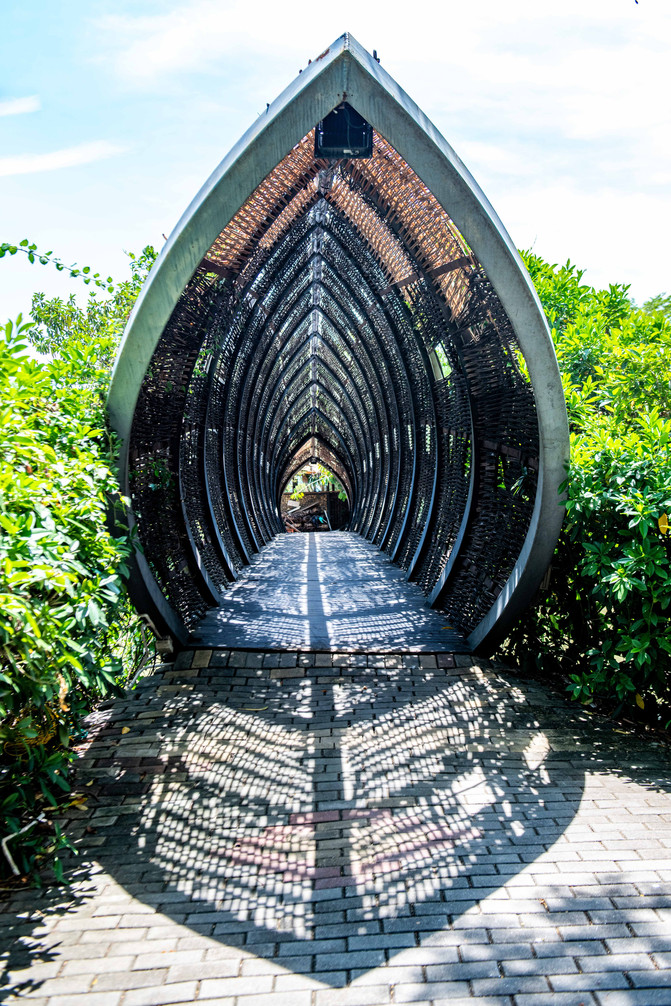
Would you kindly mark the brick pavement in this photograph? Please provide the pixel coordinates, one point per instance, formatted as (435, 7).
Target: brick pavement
(322, 830)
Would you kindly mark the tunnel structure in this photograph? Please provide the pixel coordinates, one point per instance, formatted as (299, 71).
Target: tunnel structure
(341, 291)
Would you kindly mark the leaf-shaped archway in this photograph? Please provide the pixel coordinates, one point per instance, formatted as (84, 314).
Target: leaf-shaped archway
(373, 305)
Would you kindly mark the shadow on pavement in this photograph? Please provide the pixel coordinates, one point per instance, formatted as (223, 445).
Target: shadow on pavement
(314, 810)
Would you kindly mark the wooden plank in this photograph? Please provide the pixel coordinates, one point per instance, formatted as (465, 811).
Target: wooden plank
(326, 591)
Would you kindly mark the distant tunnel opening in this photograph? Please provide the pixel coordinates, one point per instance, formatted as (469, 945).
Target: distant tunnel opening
(314, 498)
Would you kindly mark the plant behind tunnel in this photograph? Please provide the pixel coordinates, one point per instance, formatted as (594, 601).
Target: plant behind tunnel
(605, 622)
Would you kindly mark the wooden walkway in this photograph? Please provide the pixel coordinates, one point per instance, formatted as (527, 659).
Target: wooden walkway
(326, 592)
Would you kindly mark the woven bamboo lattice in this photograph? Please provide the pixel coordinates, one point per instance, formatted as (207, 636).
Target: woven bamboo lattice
(339, 317)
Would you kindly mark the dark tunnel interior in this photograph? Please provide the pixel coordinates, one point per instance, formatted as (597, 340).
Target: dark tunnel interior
(341, 318)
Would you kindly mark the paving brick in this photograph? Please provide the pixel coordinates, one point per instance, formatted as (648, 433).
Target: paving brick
(356, 995)
(378, 941)
(70, 985)
(147, 959)
(278, 998)
(183, 660)
(123, 948)
(463, 971)
(470, 1001)
(213, 988)
(95, 964)
(636, 997)
(15, 977)
(201, 658)
(592, 981)
(288, 981)
(547, 966)
(427, 660)
(554, 999)
(219, 658)
(659, 930)
(424, 955)
(293, 949)
(499, 952)
(602, 932)
(453, 938)
(571, 948)
(165, 995)
(649, 978)
(347, 961)
(86, 999)
(511, 985)
(617, 962)
(132, 979)
(112, 935)
(430, 991)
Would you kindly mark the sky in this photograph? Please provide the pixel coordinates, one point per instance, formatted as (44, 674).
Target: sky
(113, 114)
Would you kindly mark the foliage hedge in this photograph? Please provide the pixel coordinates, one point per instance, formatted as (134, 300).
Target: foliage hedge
(68, 634)
(604, 623)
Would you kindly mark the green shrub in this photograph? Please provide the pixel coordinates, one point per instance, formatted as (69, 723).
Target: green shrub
(604, 623)
(68, 634)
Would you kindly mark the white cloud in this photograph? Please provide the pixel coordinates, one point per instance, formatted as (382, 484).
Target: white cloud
(557, 74)
(20, 106)
(184, 38)
(497, 42)
(496, 158)
(70, 157)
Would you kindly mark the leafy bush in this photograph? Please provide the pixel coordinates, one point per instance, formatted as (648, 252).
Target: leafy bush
(604, 623)
(68, 634)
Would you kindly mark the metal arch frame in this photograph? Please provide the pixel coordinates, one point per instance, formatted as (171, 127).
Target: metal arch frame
(253, 319)
(371, 316)
(385, 307)
(296, 405)
(376, 342)
(347, 72)
(288, 366)
(329, 351)
(392, 419)
(272, 380)
(338, 436)
(295, 272)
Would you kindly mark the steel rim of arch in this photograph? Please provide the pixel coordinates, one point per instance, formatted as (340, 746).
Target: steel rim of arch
(428, 461)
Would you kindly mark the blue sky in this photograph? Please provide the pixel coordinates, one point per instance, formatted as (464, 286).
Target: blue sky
(113, 114)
